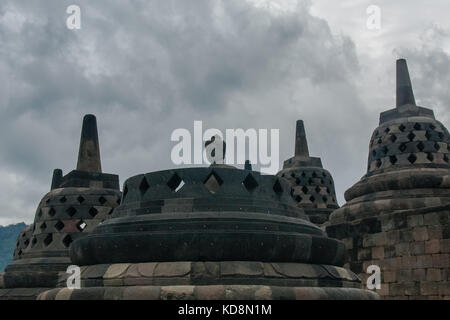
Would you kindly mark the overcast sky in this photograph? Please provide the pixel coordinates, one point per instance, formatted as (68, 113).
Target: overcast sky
(145, 68)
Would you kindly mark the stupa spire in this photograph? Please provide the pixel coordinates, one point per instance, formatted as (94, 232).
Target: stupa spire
(89, 153)
(301, 145)
(405, 94)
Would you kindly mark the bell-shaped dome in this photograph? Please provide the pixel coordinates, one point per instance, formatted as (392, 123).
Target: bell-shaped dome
(76, 203)
(408, 135)
(313, 186)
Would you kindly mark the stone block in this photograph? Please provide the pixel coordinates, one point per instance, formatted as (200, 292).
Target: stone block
(420, 234)
(414, 221)
(210, 292)
(434, 274)
(64, 294)
(432, 246)
(419, 274)
(377, 253)
(402, 248)
(169, 269)
(429, 288)
(409, 262)
(417, 248)
(444, 289)
(441, 260)
(146, 269)
(232, 268)
(177, 293)
(404, 275)
(445, 246)
(142, 293)
(392, 237)
(113, 293)
(389, 276)
(434, 232)
(115, 270)
(431, 219)
(424, 261)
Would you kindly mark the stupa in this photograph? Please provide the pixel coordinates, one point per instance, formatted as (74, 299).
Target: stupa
(76, 203)
(209, 233)
(397, 215)
(313, 185)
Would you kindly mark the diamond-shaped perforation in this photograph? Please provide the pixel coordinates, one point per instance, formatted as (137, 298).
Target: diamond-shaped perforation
(67, 240)
(144, 186)
(39, 213)
(213, 182)
(437, 146)
(428, 135)
(402, 147)
(297, 181)
(420, 146)
(305, 189)
(93, 212)
(378, 163)
(411, 136)
(59, 225)
(402, 128)
(412, 158)
(325, 199)
(432, 126)
(312, 199)
(317, 189)
(387, 130)
(71, 211)
(417, 126)
(48, 239)
(250, 183)
(63, 199)
(298, 198)
(80, 199)
(385, 150)
(174, 182)
(430, 156)
(393, 159)
(277, 187)
(43, 226)
(446, 158)
(102, 200)
(292, 174)
(52, 212)
(393, 138)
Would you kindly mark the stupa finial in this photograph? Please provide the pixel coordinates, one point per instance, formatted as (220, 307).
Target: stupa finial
(301, 145)
(89, 153)
(405, 94)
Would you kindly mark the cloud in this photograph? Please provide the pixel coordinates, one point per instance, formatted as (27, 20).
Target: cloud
(146, 68)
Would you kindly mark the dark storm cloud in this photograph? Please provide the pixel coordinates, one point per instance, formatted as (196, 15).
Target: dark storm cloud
(146, 68)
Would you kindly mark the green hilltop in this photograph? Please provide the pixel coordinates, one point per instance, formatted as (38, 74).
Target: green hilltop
(8, 238)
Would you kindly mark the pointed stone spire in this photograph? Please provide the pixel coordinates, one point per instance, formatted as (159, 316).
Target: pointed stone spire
(89, 153)
(301, 145)
(405, 94)
(56, 179)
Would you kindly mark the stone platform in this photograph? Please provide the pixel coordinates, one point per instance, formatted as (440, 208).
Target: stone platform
(233, 280)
